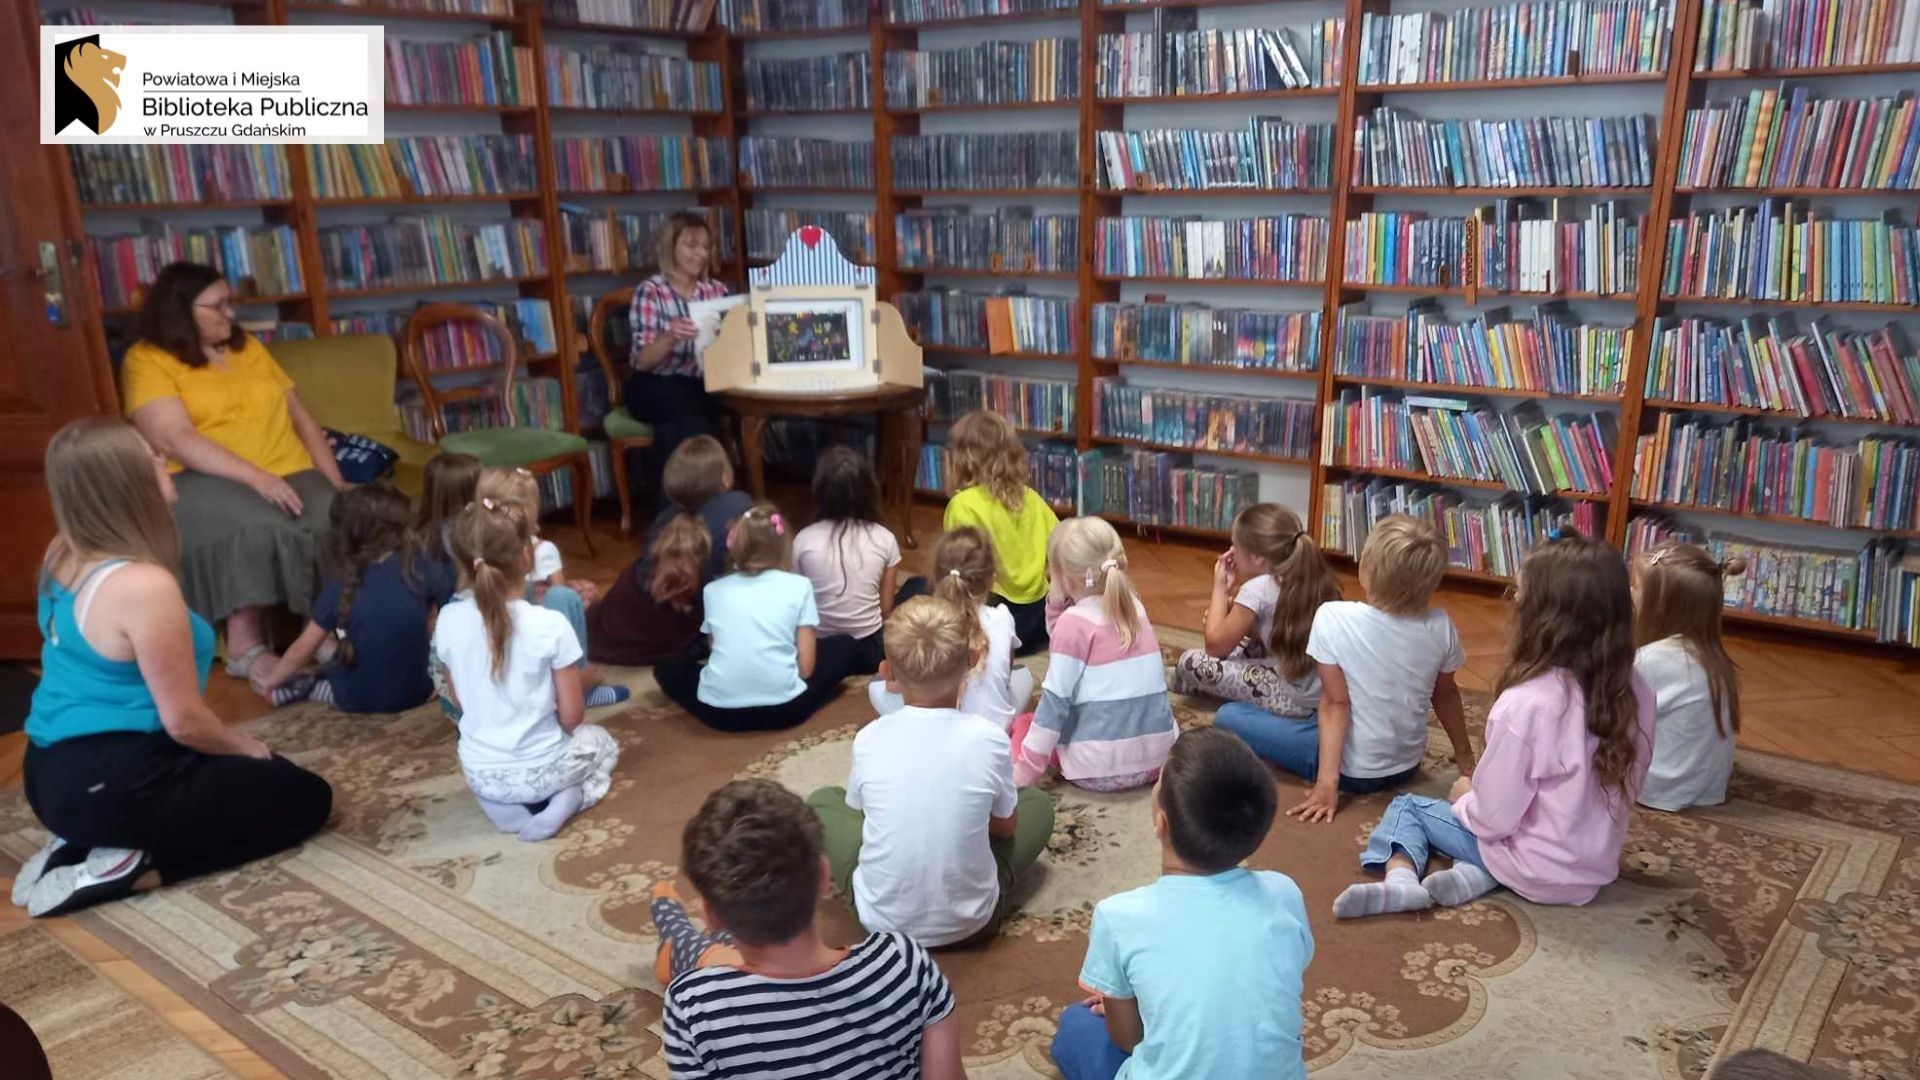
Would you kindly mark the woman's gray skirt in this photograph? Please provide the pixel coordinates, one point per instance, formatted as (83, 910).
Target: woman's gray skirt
(238, 550)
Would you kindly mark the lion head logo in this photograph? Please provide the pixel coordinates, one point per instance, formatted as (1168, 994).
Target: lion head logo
(86, 81)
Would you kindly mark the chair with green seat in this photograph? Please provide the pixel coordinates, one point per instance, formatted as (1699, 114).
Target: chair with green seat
(346, 381)
(539, 450)
(624, 433)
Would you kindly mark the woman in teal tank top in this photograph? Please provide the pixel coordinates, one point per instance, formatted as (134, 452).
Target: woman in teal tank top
(126, 766)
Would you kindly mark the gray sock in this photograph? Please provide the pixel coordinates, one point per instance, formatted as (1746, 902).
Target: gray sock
(562, 806)
(507, 817)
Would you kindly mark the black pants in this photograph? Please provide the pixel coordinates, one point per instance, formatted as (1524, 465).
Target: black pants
(833, 661)
(194, 813)
(870, 650)
(678, 408)
(1029, 623)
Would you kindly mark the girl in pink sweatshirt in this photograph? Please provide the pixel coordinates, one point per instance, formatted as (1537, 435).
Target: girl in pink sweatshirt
(1567, 746)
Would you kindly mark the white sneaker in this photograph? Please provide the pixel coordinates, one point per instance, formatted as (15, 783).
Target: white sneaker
(105, 874)
(31, 870)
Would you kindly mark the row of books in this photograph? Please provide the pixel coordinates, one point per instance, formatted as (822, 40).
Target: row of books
(1523, 448)
(1484, 537)
(453, 346)
(1149, 487)
(1053, 470)
(1010, 239)
(1200, 336)
(1785, 137)
(769, 228)
(425, 165)
(1768, 362)
(641, 163)
(1530, 40)
(431, 249)
(990, 73)
(1744, 35)
(1043, 405)
(616, 77)
(1552, 352)
(1282, 427)
(1516, 245)
(1393, 147)
(536, 404)
(768, 161)
(613, 242)
(996, 322)
(257, 261)
(1784, 250)
(179, 173)
(1215, 60)
(1871, 588)
(767, 16)
(987, 160)
(1284, 247)
(939, 11)
(448, 7)
(268, 331)
(486, 70)
(634, 14)
(833, 81)
(1748, 467)
(1271, 152)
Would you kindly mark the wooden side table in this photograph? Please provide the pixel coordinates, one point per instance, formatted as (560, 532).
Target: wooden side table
(898, 409)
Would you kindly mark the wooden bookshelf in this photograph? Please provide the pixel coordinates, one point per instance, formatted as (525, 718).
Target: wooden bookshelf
(1670, 405)
(1421, 477)
(1244, 455)
(1772, 519)
(380, 13)
(1216, 369)
(1464, 388)
(1217, 99)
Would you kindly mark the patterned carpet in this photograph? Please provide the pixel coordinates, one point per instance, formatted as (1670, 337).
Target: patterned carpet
(413, 941)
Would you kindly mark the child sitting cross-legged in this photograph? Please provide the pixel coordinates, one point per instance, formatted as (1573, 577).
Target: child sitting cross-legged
(991, 494)
(1677, 603)
(930, 836)
(1200, 973)
(779, 1002)
(851, 557)
(997, 688)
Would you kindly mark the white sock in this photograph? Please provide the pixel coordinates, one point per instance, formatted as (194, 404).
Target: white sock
(607, 694)
(1401, 891)
(1458, 884)
(559, 808)
(322, 692)
(506, 816)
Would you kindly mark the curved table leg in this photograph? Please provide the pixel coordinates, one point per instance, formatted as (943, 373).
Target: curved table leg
(900, 451)
(753, 428)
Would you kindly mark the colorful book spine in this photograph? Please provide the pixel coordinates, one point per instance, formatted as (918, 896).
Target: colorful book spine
(1214, 60)
(768, 230)
(620, 77)
(425, 165)
(990, 73)
(1043, 406)
(784, 162)
(684, 15)
(431, 250)
(1053, 470)
(615, 242)
(1271, 153)
(1553, 352)
(1201, 336)
(1150, 487)
(1766, 362)
(992, 322)
(1550, 39)
(1280, 427)
(487, 70)
(1523, 449)
(987, 161)
(268, 331)
(1008, 240)
(773, 16)
(641, 163)
(1394, 148)
(1521, 246)
(262, 261)
(939, 11)
(1288, 248)
(1482, 537)
(1784, 137)
(179, 174)
(453, 346)
(502, 8)
(1783, 250)
(1743, 35)
(836, 81)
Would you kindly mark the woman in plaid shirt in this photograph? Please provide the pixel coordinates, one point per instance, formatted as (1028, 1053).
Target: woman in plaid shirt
(666, 387)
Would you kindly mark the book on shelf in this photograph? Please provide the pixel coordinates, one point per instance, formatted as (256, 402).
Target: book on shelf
(1269, 153)
(1540, 40)
(425, 165)
(778, 161)
(384, 323)
(989, 73)
(999, 322)
(611, 241)
(1768, 362)
(682, 15)
(1519, 246)
(1053, 470)
(1783, 249)
(1152, 487)
(1742, 35)
(536, 404)
(440, 7)
(1280, 247)
(938, 11)
(616, 77)
(183, 174)
(1484, 536)
(998, 160)
(1010, 239)
(1552, 352)
(1451, 438)
(452, 346)
(1036, 405)
(1394, 148)
(641, 163)
(768, 229)
(485, 70)
(1281, 427)
(1200, 336)
(772, 16)
(809, 83)
(1751, 467)
(255, 260)
(1784, 137)
(431, 250)
(268, 331)
(1215, 60)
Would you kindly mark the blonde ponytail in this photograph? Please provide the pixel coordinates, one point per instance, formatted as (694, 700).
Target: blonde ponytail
(491, 538)
(1119, 601)
(1086, 557)
(963, 569)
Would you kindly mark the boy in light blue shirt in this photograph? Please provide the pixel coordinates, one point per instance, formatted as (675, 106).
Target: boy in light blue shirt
(1200, 973)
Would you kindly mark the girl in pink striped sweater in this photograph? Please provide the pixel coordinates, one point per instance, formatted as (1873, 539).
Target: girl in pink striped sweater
(1104, 717)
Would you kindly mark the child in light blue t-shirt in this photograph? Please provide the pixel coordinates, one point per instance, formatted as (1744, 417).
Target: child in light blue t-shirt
(767, 669)
(1199, 973)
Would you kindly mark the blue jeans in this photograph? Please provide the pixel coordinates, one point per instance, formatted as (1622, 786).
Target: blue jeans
(564, 600)
(1082, 1049)
(1419, 827)
(1293, 744)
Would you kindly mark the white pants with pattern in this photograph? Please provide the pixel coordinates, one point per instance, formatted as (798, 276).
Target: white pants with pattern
(587, 762)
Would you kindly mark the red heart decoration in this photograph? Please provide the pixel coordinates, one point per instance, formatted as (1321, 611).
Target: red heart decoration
(810, 236)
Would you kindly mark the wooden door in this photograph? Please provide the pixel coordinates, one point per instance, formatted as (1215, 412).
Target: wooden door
(52, 369)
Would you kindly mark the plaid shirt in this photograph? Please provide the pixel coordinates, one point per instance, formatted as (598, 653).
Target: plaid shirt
(655, 304)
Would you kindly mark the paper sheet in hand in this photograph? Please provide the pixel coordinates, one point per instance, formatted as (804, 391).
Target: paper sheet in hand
(706, 314)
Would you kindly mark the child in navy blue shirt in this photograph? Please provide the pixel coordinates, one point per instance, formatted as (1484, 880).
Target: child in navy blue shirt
(377, 606)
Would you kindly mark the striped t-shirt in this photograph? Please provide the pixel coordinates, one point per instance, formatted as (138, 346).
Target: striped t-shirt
(1103, 707)
(860, 1020)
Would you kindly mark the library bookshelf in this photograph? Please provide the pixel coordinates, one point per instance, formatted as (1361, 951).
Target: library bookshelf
(1664, 95)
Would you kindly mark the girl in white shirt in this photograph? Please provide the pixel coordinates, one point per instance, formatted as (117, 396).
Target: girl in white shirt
(1678, 594)
(998, 689)
(852, 558)
(526, 752)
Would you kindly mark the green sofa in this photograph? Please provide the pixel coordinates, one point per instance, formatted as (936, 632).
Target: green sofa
(347, 382)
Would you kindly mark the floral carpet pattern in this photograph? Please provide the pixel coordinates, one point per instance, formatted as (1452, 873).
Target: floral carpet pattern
(412, 941)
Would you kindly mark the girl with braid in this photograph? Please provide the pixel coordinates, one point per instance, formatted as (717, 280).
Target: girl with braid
(377, 607)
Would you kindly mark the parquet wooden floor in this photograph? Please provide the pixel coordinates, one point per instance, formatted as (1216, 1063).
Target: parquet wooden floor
(1829, 701)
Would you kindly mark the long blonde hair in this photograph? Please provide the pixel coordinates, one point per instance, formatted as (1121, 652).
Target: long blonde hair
(984, 449)
(107, 502)
(1681, 591)
(490, 539)
(1086, 557)
(963, 576)
(1304, 579)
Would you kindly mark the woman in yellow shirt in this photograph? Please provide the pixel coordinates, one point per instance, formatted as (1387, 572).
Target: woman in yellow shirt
(255, 473)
